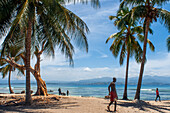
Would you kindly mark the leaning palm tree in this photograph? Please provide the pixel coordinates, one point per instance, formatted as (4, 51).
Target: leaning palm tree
(146, 10)
(8, 60)
(168, 43)
(125, 41)
(5, 70)
(48, 20)
(13, 52)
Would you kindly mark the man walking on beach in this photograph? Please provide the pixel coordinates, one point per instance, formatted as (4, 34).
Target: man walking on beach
(157, 95)
(113, 94)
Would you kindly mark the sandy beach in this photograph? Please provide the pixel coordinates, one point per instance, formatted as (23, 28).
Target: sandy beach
(63, 104)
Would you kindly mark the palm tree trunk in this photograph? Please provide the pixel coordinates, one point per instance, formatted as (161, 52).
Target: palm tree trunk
(126, 79)
(137, 96)
(28, 56)
(9, 83)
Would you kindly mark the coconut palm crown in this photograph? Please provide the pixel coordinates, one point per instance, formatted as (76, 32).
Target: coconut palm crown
(126, 40)
(147, 11)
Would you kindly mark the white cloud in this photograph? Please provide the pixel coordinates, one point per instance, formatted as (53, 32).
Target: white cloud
(54, 72)
(59, 60)
(104, 56)
(73, 74)
(158, 66)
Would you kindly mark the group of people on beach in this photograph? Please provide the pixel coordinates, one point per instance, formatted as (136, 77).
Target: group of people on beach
(112, 93)
(62, 93)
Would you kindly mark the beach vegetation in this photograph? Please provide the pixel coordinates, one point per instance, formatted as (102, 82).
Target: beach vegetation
(126, 41)
(14, 53)
(147, 11)
(48, 21)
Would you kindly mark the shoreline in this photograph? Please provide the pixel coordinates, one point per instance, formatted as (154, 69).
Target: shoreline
(74, 104)
(19, 94)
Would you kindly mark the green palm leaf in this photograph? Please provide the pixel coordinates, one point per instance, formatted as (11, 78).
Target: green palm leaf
(164, 16)
(168, 43)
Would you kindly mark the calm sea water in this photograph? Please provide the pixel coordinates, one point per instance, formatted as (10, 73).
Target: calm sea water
(147, 91)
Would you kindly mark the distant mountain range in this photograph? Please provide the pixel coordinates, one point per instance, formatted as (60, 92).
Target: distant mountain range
(147, 80)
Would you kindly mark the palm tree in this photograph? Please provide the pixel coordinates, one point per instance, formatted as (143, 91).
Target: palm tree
(168, 43)
(145, 10)
(13, 52)
(125, 41)
(5, 70)
(48, 20)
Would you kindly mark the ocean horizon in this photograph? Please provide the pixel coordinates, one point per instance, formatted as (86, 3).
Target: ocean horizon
(148, 92)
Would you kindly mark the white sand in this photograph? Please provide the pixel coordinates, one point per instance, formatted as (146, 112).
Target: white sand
(90, 105)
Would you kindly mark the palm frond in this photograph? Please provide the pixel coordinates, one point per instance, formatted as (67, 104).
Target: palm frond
(159, 2)
(150, 31)
(112, 17)
(14, 44)
(5, 70)
(58, 27)
(133, 2)
(14, 28)
(7, 8)
(79, 35)
(115, 47)
(137, 29)
(138, 52)
(113, 36)
(20, 72)
(140, 37)
(122, 54)
(138, 12)
(164, 16)
(152, 47)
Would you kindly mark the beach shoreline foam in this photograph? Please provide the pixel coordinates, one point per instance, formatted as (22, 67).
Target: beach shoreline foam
(72, 104)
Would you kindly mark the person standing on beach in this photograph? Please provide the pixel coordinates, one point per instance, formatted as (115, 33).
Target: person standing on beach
(113, 94)
(67, 92)
(157, 95)
(59, 90)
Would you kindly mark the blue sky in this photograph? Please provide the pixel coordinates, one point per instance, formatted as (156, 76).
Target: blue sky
(99, 62)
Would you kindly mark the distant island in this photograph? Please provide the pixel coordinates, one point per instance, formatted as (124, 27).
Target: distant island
(147, 80)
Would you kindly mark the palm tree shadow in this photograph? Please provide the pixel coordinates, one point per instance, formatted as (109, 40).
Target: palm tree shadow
(142, 105)
(52, 104)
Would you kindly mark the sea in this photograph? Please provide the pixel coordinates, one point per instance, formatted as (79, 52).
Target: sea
(148, 92)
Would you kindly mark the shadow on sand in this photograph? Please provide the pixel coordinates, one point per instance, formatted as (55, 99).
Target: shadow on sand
(163, 107)
(142, 105)
(19, 106)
